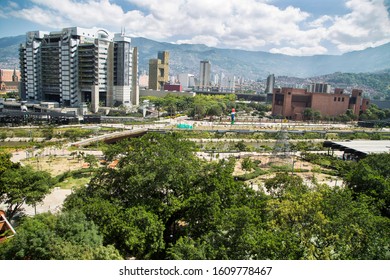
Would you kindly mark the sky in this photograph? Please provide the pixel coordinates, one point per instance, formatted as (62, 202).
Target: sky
(292, 27)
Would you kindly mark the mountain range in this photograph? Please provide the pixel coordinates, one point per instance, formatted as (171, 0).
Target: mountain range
(185, 58)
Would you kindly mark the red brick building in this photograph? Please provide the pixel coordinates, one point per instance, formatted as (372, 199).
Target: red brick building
(291, 102)
(9, 80)
(170, 87)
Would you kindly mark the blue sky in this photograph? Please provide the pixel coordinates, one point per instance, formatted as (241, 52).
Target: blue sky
(300, 27)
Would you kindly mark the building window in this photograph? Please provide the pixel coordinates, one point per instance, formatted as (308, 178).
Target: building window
(342, 99)
(335, 99)
(339, 99)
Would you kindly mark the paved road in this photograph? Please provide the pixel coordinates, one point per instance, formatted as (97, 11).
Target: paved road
(52, 202)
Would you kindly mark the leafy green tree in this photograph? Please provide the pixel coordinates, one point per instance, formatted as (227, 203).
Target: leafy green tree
(247, 164)
(188, 249)
(237, 235)
(170, 105)
(133, 231)
(325, 223)
(283, 183)
(154, 172)
(91, 160)
(6, 163)
(317, 115)
(199, 110)
(59, 237)
(214, 110)
(350, 114)
(370, 176)
(158, 103)
(159, 179)
(308, 113)
(19, 186)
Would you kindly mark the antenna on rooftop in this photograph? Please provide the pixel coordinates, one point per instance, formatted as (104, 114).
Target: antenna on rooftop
(123, 30)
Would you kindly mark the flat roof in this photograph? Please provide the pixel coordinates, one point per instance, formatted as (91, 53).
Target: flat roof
(362, 146)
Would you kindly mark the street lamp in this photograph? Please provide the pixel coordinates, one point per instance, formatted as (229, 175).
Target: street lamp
(293, 162)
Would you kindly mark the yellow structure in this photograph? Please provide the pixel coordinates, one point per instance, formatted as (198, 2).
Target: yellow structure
(159, 70)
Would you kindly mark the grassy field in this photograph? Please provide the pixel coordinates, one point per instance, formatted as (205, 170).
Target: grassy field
(70, 172)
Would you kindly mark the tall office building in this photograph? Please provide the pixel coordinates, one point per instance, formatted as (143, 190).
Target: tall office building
(77, 65)
(204, 74)
(125, 71)
(159, 71)
(270, 84)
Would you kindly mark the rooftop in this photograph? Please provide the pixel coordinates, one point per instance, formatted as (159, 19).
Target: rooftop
(363, 147)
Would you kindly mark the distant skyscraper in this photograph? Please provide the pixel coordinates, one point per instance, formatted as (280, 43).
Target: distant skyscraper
(227, 83)
(216, 80)
(270, 84)
(159, 71)
(78, 65)
(186, 80)
(204, 74)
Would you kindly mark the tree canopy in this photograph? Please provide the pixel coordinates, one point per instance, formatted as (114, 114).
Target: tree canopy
(370, 177)
(162, 202)
(59, 237)
(21, 185)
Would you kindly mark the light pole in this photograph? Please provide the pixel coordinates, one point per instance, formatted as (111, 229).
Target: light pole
(293, 162)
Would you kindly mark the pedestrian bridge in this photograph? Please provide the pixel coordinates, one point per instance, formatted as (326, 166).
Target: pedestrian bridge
(111, 137)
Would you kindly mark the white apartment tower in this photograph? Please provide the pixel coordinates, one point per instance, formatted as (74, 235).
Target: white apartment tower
(76, 65)
(30, 56)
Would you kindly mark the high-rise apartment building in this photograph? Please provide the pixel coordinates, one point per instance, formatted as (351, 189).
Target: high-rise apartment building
(76, 65)
(204, 74)
(159, 71)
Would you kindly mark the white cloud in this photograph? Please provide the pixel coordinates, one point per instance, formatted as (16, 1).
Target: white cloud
(2, 14)
(321, 21)
(303, 51)
(41, 16)
(207, 40)
(368, 24)
(13, 5)
(246, 24)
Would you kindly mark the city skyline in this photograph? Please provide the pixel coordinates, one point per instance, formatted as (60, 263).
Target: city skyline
(278, 26)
